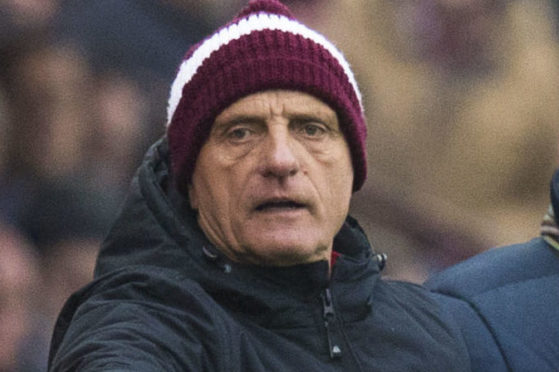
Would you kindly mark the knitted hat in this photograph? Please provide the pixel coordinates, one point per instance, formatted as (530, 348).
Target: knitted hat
(263, 48)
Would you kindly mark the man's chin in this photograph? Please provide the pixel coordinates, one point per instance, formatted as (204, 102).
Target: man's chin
(282, 253)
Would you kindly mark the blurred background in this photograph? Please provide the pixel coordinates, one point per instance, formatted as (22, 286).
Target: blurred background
(461, 98)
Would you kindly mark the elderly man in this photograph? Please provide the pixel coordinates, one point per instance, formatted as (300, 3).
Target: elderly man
(511, 294)
(234, 250)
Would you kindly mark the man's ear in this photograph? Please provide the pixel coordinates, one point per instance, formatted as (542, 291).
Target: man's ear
(192, 196)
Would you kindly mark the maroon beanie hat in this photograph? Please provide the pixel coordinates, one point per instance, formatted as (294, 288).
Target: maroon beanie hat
(263, 48)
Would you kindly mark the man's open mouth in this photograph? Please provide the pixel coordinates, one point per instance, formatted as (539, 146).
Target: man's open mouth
(279, 205)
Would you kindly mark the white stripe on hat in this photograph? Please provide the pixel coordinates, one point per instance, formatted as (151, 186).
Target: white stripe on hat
(255, 22)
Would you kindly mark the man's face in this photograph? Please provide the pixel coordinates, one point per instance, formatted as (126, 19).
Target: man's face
(272, 183)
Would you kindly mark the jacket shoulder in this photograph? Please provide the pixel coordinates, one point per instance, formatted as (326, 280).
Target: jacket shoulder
(510, 293)
(497, 268)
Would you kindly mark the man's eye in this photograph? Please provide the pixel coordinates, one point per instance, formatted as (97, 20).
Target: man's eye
(313, 130)
(239, 134)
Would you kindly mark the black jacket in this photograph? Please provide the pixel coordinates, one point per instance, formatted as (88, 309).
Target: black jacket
(164, 299)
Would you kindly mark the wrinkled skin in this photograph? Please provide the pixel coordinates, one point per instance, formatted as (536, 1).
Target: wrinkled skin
(272, 183)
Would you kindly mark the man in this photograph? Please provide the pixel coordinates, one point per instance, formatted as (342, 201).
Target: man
(237, 254)
(511, 293)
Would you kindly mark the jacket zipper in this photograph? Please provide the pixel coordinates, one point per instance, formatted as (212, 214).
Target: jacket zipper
(329, 317)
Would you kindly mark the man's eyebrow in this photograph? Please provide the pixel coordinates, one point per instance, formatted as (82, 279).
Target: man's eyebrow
(330, 120)
(234, 119)
(309, 117)
(238, 119)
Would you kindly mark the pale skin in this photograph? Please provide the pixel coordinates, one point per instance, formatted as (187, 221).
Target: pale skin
(273, 182)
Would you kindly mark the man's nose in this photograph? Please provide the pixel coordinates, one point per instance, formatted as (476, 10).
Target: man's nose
(279, 158)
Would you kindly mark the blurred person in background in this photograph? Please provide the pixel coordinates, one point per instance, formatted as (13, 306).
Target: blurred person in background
(118, 142)
(67, 266)
(20, 22)
(463, 98)
(18, 18)
(67, 144)
(91, 125)
(139, 40)
(52, 188)
(50, 150)
(33, 289)
(19, 291)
